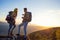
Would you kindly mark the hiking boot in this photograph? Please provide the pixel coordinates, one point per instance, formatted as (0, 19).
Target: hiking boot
(18, 36)
(24, 38)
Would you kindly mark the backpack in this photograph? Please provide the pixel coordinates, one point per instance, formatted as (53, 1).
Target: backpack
(9, 18)
(27, 17)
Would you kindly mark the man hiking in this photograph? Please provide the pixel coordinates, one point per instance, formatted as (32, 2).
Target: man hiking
(11, 20)
(26, 19)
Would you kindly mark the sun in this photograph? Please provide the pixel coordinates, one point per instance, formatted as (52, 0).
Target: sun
(46, 21)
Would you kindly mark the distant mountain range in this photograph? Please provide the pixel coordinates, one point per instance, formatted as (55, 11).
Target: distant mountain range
(30, 28)
(3, 28)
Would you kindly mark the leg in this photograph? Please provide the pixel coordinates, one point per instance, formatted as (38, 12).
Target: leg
(13, 28)
(13, 23)
(25, 26)
(18, 35)
(19, 28)
(10, 26)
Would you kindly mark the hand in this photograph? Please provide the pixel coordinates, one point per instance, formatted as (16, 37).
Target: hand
(22, 14)
(22, 17)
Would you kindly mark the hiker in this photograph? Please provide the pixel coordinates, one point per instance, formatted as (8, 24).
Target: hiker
(11, 20)
(26, 19)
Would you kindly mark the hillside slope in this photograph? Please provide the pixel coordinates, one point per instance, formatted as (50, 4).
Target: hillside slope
(48, 34)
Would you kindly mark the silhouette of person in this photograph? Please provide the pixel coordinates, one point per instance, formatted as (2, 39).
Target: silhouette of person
(26, 19)
(14, 15)
(11, 20)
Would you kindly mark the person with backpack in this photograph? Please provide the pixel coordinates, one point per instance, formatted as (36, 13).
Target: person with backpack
(26, 19)
(11, 20)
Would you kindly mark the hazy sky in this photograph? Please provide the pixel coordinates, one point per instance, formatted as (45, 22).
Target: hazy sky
(44, 12)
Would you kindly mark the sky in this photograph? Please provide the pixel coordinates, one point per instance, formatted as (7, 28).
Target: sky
(44, 12)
